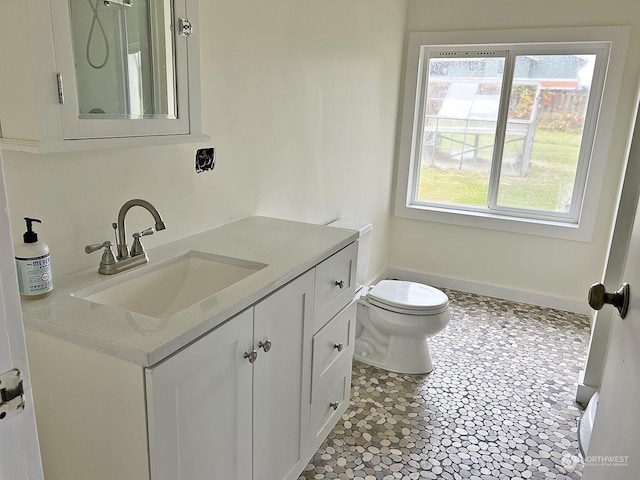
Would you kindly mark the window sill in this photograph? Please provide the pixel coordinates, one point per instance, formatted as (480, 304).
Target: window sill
(524, 226)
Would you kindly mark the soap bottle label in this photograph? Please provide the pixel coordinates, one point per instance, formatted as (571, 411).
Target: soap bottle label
(34, 275)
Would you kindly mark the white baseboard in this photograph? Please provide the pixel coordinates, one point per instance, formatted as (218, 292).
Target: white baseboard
(584, 392)
(504, 293)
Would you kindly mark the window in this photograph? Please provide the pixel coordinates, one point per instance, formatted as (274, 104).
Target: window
(501, 133)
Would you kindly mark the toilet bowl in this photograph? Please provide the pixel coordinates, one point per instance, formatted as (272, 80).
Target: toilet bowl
(393, 318)
(393, 321)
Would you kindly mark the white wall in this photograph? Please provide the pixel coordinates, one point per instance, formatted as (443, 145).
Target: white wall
(546, 270)
(300, 99)
(308, 99)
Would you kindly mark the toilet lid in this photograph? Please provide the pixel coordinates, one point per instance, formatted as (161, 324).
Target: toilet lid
(409, 297)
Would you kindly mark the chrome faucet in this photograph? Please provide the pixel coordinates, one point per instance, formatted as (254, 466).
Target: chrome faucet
(126, 259)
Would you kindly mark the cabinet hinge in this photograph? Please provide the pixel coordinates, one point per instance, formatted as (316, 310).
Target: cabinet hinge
(11, 393)
(60, 88)
(185, 28)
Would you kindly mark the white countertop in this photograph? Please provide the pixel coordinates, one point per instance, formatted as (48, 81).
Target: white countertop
(288, 248)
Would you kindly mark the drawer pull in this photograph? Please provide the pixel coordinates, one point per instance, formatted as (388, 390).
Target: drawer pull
(340, 283)
(266, 345)
(338, 346)
(251, 356)
(334, 405)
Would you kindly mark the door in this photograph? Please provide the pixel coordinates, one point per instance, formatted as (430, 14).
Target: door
(19, 451)
(614, 449)
(282, 372)
(199, 407)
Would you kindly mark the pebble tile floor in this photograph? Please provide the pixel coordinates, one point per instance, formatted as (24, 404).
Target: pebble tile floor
(499, 403)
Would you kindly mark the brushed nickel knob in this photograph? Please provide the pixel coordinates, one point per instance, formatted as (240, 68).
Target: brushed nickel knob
(266, 345)
(338, 346)
(340, 283)
(598, 297)
(334, 405)
(251, 355)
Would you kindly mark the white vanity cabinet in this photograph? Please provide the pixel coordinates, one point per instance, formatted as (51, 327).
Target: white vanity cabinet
(202, 400)
(251, 399)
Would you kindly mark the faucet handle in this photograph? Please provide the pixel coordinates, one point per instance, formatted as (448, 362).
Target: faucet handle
(97, 246)
(107, 256)
(137, 248)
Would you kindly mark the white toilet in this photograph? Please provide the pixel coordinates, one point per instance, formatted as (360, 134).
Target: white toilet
(394, 318)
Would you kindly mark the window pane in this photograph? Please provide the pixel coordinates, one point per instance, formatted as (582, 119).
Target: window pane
(461, 110)
(547, 110)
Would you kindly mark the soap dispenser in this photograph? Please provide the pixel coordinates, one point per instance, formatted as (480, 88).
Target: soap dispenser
(33, 264)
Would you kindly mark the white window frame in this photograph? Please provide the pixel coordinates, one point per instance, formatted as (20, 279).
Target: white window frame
(579, 223)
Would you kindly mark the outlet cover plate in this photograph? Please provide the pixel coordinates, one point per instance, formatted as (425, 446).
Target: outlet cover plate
(205, 159)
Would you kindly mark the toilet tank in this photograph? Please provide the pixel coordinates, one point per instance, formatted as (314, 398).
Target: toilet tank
(364, 245)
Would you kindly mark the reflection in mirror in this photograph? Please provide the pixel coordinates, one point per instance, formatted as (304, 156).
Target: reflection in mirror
(123, 53)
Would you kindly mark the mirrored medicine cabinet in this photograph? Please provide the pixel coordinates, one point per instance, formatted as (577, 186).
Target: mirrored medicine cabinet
(128, 69)
(122, 70)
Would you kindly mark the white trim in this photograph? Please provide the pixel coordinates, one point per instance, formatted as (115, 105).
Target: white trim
(584, 392)
(53, 146)
(617, 36)
(496, 291)
(19, 448)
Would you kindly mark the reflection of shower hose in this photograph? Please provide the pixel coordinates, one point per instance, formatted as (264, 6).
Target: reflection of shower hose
(94, 21)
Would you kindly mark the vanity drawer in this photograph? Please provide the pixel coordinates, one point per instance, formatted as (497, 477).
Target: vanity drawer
(331, 400)
(333, 342)
(331, 373)
(335, 284)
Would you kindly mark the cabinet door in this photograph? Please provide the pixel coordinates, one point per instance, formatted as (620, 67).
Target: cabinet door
(282, 380)
(199, 408)
(111, 88)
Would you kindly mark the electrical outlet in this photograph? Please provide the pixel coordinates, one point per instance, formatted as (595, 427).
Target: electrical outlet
(205, 159)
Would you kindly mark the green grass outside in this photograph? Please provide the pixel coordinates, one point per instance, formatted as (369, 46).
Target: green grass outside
(546, 186)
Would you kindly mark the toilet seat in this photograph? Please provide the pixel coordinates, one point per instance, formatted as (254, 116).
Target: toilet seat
(408, 298)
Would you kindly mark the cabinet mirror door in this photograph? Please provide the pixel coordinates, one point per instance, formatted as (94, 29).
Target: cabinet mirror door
(123, 67)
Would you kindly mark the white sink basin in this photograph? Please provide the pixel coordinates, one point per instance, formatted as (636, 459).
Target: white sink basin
(167, 289)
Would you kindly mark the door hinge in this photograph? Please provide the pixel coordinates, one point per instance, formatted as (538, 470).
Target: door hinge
(11, 393)
(60, 88)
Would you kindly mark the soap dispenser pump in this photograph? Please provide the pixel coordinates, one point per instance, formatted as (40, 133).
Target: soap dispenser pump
(33, 264)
